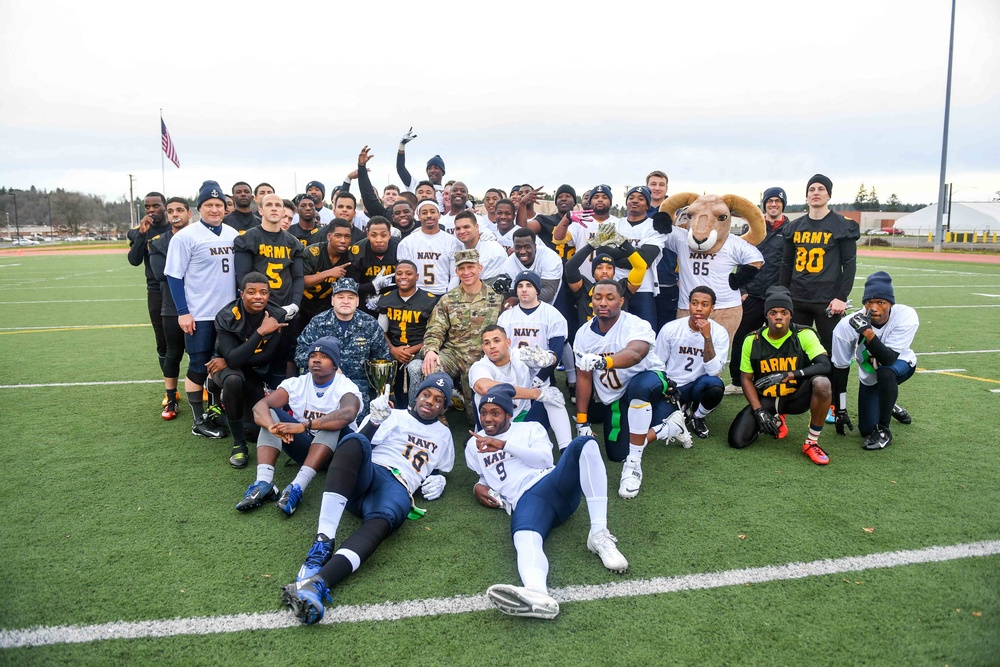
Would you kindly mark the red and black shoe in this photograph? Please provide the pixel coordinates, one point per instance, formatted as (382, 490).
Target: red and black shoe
(782, 428)
(815, 453)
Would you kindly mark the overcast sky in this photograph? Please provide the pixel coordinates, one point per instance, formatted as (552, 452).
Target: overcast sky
(723, 96)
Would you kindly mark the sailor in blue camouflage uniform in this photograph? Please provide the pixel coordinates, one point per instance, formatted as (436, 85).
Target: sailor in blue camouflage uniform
(360, 336)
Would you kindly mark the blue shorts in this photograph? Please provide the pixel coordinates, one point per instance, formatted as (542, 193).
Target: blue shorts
(553, 498)
(646, 386)
(377, 494)
(200, 345)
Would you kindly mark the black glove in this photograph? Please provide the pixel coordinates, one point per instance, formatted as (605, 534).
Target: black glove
(860, 321)
(662, 222)
(671, 390)
(843, 419)
(742, 276)
(502, 284)
(766, 422)
(769, 380)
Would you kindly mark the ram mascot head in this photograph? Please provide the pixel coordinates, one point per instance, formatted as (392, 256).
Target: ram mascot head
(707, 219)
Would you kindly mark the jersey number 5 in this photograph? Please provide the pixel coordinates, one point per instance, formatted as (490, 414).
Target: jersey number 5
(273, 272)
(428, 274)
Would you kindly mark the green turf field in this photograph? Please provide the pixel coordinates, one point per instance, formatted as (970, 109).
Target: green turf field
(113, 515)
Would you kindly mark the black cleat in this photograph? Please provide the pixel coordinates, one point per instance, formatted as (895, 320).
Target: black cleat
(698, 427)
(215, 417)
(205, 429)
(901, 415)
(880, 438)
(239, 456)
(257, 494)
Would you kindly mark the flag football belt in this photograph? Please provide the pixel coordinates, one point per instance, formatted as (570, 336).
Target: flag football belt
(415, 512)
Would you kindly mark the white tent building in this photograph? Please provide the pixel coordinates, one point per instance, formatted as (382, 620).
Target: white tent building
(976, 217)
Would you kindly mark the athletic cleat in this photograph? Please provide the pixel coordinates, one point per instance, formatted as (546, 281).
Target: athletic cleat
(257, 494)
(239, 456)
(782, 428)
(290, 498)
(733, 390)
(631, 478)
(457, 401)
(169, 410)
(604, 544)
(520, 601)
(698, 427)
(815, 453)
(306, 599)
(214, 416)
(880, 438)
(901, 415)
(830, 417)
(319, 553)
(683, 438)
(166, 399)
(205, 429)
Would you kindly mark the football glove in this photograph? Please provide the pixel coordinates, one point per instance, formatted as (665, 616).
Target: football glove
(379, 409)
(383, 281)
(536, 357)
(769, 380)
(585, 430)
(502, 284)
(672, 390)
(588, 362)
(408, 137)
(552, 396)
(433, 487)
(842, 419)
(291, 310)
(766, 422)
(860, 321)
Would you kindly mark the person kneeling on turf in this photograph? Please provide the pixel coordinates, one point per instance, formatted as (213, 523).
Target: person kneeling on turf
(247, 332)
(323, 403)
(784, 370)
(879, 338)
(514, 463)
(374, 475)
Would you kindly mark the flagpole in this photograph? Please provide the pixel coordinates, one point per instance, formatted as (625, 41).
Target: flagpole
(163, 171)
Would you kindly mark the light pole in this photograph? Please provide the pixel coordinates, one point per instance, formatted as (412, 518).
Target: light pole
(17, 228)
(938, 231)
(52, 233)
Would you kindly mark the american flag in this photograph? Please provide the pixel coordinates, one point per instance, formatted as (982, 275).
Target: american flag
(168, 145)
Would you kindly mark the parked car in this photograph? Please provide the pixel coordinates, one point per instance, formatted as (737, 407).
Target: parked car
(24, 242)
(892, 231)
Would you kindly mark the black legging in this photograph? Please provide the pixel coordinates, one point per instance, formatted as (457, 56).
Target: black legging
(174, 336)
(814, 315)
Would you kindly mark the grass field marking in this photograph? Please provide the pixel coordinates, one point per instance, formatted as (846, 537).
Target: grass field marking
(130, 284)
(959, 375)
(22, 303)
(995, 296)
(86, 327)
(78, 384)
(983, 305)
(942, 370)
(390, 611)
(5, 266)
(934, 354)
(914, 268)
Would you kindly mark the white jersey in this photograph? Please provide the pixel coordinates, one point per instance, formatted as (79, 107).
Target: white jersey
(434, 255)
(535, 328)
(492, 256)
(525, 459)
(711, 269)
(896, 334)
(640, 235)
(682, 350)
(611, 384)
(413, 448)
(547, 265)
(516, 373)
(311, 401)
(204, 260)
(447, 223)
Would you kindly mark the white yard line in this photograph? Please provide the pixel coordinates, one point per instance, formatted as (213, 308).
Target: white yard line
(932, 354)
(22, 303)
(78, 384)
(390, 611)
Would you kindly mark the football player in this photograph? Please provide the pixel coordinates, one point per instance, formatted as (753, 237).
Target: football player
(432, 250)
(533, 322)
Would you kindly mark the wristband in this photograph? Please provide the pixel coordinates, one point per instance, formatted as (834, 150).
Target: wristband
(799, 374)
(609, 362)
(310, 425)
(581, 417)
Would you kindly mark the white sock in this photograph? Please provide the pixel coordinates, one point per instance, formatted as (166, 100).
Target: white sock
(594, 484)
(330, 511)
(635, 451)
(305, 476)
(701, 412)
(532, 565)
(569, 362)
(265, 473)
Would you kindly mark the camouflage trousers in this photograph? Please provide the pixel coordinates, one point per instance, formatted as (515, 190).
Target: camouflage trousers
(455, 363)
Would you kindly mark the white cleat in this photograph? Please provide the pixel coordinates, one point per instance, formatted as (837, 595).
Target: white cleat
(604, 544)
(684, 437)
(631, 478)
(520, 601)
(733, 390)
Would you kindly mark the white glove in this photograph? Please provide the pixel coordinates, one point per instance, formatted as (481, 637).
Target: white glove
(433, 487)
(585, 430)
(407, 138)
(372, 302)
(383, 281)
(552, 396)
(536, 357)
(395, 233)
(291, 310)
(588, 361)
(379, 409)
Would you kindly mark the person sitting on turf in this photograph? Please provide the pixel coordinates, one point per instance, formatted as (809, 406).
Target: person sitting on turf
(694, 351)
(784, 369)
(516, 473)
(374, 475)
(879, 337)
(247, 336)
(324, 404)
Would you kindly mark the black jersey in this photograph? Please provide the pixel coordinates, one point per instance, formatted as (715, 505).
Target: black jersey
(157, 249)
(237, 340)
(241, 222)
(547, 224)
(366, 265)
(407, 317)
(308, 236)
(819, 261)
(278, 255)
(138, 252)
(316, 299)
(798, 349)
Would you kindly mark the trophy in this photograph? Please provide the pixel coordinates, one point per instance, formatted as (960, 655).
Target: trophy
(381, 374)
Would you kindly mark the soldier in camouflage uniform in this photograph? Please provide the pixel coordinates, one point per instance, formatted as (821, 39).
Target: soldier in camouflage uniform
(360, 337)
(453, 336)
